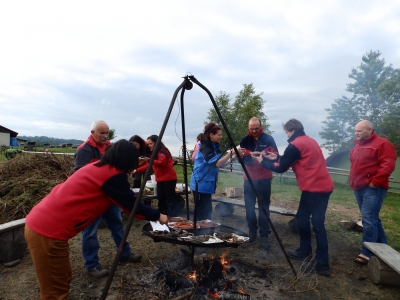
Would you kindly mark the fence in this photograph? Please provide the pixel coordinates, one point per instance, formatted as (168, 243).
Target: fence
(338, 175)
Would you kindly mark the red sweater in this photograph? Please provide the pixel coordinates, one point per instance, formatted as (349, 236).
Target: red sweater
(71, 206)
(163, 167)
(372, 160)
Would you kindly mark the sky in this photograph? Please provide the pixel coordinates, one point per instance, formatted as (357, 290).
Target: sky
(64, 64)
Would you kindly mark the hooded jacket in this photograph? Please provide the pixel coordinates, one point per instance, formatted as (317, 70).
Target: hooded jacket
(205, 171)
(372, 160)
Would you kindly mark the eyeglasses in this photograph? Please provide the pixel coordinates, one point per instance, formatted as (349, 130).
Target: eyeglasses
(254, 129)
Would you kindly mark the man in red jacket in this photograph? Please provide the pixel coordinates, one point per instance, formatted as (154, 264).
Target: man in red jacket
(92, 150)
(372, 159)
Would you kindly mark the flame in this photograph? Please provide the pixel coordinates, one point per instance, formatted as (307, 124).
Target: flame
(224, 260)
(192, 276)
(213, 295)
(241, 291)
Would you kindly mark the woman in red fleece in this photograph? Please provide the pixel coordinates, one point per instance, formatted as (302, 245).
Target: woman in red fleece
(71, 206)
(144, 151)
(163, 167)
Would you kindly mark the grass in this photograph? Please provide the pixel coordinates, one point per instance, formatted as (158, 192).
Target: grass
(343, 196)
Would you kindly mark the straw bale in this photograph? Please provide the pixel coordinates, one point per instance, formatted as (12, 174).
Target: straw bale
(26, 179)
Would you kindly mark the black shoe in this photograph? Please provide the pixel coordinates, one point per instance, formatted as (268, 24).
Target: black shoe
(98, 272)
(133, 258)
(319, 269)
(297, 255)
(322, 270)
(264, 243)
(252, 237)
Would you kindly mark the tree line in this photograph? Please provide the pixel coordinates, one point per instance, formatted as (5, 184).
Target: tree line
(375, 96)
(42, 140)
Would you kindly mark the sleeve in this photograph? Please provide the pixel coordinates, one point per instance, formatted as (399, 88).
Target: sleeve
(118, 189)
(161, 159)
(210, 156)
(84, 156)
(271, 145)
(142, 169)
(387, 163)
(247, 160)
(284, 162)
(196, 149)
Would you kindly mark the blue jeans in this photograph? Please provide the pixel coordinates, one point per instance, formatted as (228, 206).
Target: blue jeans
(370, 201)
(263, 187)
(90, 243)
(315, 205)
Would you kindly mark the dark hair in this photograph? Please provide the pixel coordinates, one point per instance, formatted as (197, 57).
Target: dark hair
(200, 137)
(154, 139)
(122, 155)
(210, 128)
(141, 142)
(293, 124)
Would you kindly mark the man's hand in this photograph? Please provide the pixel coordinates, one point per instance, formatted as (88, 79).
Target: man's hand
(257, 156)
(372, 186)
(163, 219)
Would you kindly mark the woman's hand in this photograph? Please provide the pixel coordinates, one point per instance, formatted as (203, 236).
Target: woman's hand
(163, 219)
(270, 155)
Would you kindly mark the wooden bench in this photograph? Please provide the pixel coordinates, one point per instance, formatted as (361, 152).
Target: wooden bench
(12, 242)
(384, 267)
(239, 202)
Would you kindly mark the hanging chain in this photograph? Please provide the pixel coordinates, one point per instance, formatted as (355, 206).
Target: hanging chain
(231, 161)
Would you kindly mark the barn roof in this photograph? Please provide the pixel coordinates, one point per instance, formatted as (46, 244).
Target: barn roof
(6, 130)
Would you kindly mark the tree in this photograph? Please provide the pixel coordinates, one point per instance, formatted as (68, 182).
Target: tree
(111, 134)
(390, 90)
(247, 104)
(366, 103)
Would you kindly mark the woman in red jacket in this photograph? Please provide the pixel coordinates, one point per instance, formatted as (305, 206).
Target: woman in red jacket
(163, 167)
(71, 206)
(144, 151)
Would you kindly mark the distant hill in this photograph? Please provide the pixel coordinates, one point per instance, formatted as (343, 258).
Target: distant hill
(41, 140)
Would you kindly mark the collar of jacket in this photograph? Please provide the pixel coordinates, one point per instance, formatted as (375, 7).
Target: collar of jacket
(207, 142)
(93, 143)
(295, 135)
(366, 140)
(250, 134)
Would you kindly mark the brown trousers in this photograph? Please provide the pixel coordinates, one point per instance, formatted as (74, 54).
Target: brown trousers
(52, 264)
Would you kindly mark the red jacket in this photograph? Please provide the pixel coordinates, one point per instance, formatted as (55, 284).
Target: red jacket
(71, 206)
(163, 166)
(372, 160)
(311, 172)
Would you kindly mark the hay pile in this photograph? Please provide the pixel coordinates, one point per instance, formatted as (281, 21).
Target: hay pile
(26, 179)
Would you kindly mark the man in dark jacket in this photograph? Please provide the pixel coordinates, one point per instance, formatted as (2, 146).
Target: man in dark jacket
(257, 141)
(372, 159)
(92, 150)
(305, 157)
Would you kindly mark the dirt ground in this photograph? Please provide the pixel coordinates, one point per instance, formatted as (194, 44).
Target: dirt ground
(270, 276)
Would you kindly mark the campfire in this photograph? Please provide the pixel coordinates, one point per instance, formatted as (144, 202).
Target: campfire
(214, 278)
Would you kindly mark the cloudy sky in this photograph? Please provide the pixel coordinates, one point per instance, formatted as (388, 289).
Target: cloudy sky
(64, 64)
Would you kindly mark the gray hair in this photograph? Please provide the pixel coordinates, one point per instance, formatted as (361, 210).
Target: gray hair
(95, 124)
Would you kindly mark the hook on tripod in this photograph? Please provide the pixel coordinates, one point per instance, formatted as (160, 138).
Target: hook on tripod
(188, 85)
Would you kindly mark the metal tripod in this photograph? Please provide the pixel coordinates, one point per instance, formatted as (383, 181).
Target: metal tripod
(187, 84)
